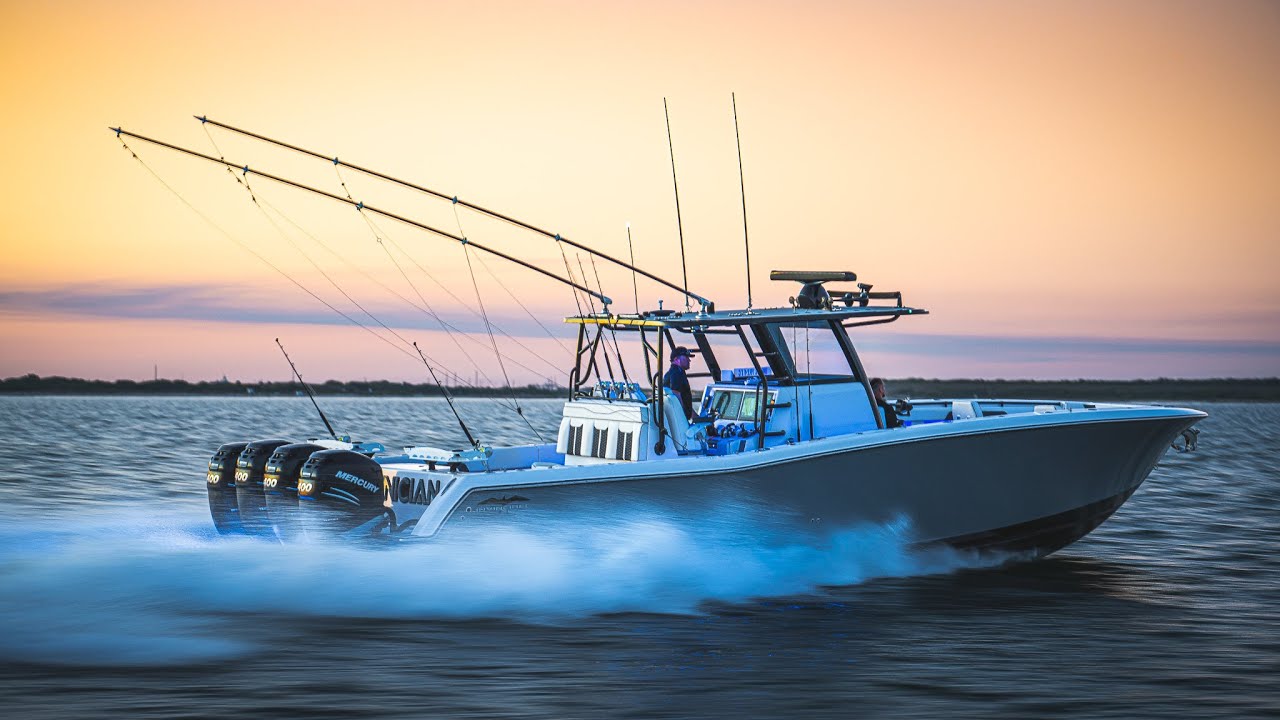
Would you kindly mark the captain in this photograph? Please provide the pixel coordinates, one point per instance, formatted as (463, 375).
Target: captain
(678, 381)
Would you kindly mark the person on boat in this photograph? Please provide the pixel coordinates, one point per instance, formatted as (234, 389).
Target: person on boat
(678, 381)
(890, 414)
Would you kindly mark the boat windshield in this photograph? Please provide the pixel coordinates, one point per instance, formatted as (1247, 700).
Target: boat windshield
(814, 351)
(721, 353)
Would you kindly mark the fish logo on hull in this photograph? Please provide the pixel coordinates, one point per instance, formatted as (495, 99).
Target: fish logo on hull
(506, 503)
(504, 500)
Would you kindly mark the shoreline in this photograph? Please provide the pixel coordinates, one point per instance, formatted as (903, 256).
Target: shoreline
(1217, 389)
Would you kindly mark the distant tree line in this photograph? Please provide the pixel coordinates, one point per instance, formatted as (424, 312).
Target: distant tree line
(54, 385)
(1222, 389)
(1219, 389)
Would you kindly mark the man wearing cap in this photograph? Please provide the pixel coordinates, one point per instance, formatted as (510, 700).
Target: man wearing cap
(890, 412)
(678, 381)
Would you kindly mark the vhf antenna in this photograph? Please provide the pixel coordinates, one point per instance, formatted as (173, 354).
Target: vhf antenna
(746, 241)
(635, 289)
(684, 272)
(307, 387)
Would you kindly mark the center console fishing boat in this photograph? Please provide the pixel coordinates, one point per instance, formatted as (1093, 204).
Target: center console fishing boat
(787, 432)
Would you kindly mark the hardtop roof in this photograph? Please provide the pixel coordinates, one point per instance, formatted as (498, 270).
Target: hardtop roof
(731, 318)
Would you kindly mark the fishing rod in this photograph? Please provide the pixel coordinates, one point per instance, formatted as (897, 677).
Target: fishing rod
(307, 387)
(742, 183)
(679, 225)
(704, 302)
(635, 289)
(447, 398)
(245, 169)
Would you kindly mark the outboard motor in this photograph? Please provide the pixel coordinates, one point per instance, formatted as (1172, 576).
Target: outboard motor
(280, 485)
(341, 491)
(250, 469)
(220, 480)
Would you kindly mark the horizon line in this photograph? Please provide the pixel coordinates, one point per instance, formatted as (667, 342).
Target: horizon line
(291, 381)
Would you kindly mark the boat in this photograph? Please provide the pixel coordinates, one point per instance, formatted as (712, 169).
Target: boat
(786, 431)
(793, 435)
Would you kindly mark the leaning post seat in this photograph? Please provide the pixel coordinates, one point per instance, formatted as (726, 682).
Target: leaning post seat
(595, 431)
(687, 437)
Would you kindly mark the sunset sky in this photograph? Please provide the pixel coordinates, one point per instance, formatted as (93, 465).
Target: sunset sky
(1075, 189)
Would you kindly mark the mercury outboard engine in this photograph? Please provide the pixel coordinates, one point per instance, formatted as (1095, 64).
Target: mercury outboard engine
(280, 485)
(340, 491)
(221, 483)
(250, 469)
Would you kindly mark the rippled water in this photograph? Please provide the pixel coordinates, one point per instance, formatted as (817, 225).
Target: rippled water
(117, 599)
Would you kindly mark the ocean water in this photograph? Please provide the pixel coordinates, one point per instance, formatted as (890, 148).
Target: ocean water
(118, 599)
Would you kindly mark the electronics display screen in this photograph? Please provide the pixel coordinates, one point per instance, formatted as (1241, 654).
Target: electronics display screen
(737, 405)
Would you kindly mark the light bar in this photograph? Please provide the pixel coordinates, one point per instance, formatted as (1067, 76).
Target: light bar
(813, 276)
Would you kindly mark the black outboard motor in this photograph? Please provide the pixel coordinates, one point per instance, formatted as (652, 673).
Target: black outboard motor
(221, 483)
(250, 469)
(340, 491)
(280, 485)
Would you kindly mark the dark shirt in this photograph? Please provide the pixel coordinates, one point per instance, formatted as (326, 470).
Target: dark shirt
(679, 384)
(890, 415)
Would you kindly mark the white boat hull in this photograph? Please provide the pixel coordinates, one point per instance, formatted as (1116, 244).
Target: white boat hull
(1028, 483)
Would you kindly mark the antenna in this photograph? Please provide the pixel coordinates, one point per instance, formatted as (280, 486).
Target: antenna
(631, 251)
(684, 271)
(746, 241)
(310, 394)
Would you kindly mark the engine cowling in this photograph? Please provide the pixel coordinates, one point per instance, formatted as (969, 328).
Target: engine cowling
(220, 482)
(280, 486)
(251, 498)
(343, 492)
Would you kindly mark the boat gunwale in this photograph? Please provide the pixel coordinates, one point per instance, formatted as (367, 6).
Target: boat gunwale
(691, 465)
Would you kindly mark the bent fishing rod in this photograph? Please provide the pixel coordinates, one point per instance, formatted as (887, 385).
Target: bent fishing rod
(307, 387)
(245, 169)
(706, 304)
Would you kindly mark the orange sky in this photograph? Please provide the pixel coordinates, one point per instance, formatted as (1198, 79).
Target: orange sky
(1079, 189)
